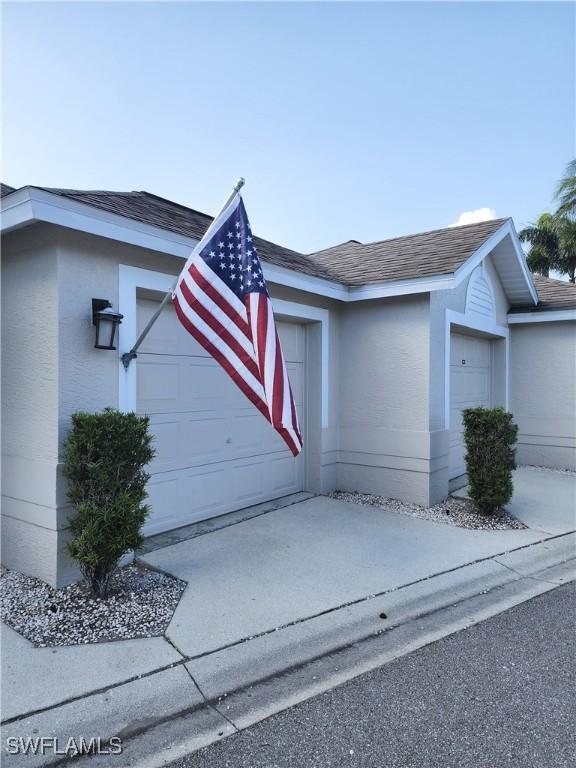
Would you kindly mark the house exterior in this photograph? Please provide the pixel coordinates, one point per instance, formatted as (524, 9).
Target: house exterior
(385, 344)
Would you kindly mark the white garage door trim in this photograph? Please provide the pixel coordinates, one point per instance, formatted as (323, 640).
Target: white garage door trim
(475, 323)
(132, 278)
(471, 385)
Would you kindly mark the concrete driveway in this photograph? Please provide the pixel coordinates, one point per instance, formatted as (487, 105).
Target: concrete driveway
(544, 500)
(269, 594)
(314, 556)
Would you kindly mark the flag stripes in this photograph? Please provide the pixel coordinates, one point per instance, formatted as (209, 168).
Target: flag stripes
(222, 300)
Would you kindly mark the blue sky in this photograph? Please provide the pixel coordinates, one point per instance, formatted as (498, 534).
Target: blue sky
(348, 120)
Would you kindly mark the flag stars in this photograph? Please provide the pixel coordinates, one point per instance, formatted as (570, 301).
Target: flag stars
(234, 258)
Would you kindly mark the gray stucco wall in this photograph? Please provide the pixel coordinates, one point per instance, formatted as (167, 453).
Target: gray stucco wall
(384, 438)
(31, 485)
(543, 392)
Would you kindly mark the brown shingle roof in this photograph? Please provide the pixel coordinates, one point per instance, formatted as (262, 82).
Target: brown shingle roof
(438, 252)
(552, 295)
(159, 212)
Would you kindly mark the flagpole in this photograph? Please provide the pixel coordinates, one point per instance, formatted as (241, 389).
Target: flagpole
(127, 357)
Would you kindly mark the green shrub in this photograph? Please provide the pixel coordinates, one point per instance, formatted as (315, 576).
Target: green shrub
(104, 459)
(490, 436)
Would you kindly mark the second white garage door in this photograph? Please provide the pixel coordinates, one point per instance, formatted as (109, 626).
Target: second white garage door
(470, 387)
(215, 451)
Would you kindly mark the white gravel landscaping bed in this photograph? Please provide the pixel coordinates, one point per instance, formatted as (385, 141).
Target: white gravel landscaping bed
(141, 604)
(459, 512)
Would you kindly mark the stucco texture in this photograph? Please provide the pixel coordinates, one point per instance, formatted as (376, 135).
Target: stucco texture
(384, 438)
(543, 392)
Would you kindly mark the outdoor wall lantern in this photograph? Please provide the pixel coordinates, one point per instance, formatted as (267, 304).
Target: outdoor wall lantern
(106, 322)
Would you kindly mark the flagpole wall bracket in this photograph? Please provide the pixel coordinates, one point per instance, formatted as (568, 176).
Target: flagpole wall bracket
(127, 358)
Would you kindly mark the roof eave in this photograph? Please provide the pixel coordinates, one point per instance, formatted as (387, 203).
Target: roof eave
(510, 282)
(30, 204)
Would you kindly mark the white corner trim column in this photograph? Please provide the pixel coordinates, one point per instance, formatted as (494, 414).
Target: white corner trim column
(132, 278)
(485, 326)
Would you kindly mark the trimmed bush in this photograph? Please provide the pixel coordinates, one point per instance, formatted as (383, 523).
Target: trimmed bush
(490, 436)
(104, 459)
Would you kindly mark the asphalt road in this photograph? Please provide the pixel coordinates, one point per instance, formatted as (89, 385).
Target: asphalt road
(499, 694)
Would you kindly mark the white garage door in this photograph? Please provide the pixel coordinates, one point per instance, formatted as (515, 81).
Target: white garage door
(215, 451)
(470, 384)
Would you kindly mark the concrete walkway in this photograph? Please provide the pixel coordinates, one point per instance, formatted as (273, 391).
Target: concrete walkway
(271, 591)
(544, 500)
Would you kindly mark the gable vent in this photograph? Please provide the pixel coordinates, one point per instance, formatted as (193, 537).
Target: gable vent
(480, 294)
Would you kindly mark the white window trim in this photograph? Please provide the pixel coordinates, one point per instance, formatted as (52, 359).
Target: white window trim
(132, 278)
(475, 323)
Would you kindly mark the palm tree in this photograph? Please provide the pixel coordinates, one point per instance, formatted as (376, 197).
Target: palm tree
(552, 240)
(566, 191)
(566, 227)
(544, 252)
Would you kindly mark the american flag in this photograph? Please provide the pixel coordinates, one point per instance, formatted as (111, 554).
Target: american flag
(222, 300)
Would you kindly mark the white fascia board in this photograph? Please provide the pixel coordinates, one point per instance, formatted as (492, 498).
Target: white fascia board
(85, 218)
(521, 256)
(334, 290)
(544, 316)
(309, 283)
(16, 210)
(28, 205)
(507, 229)
(401, 287)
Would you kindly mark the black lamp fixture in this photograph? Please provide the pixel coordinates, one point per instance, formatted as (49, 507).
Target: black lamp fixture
(106, 322)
